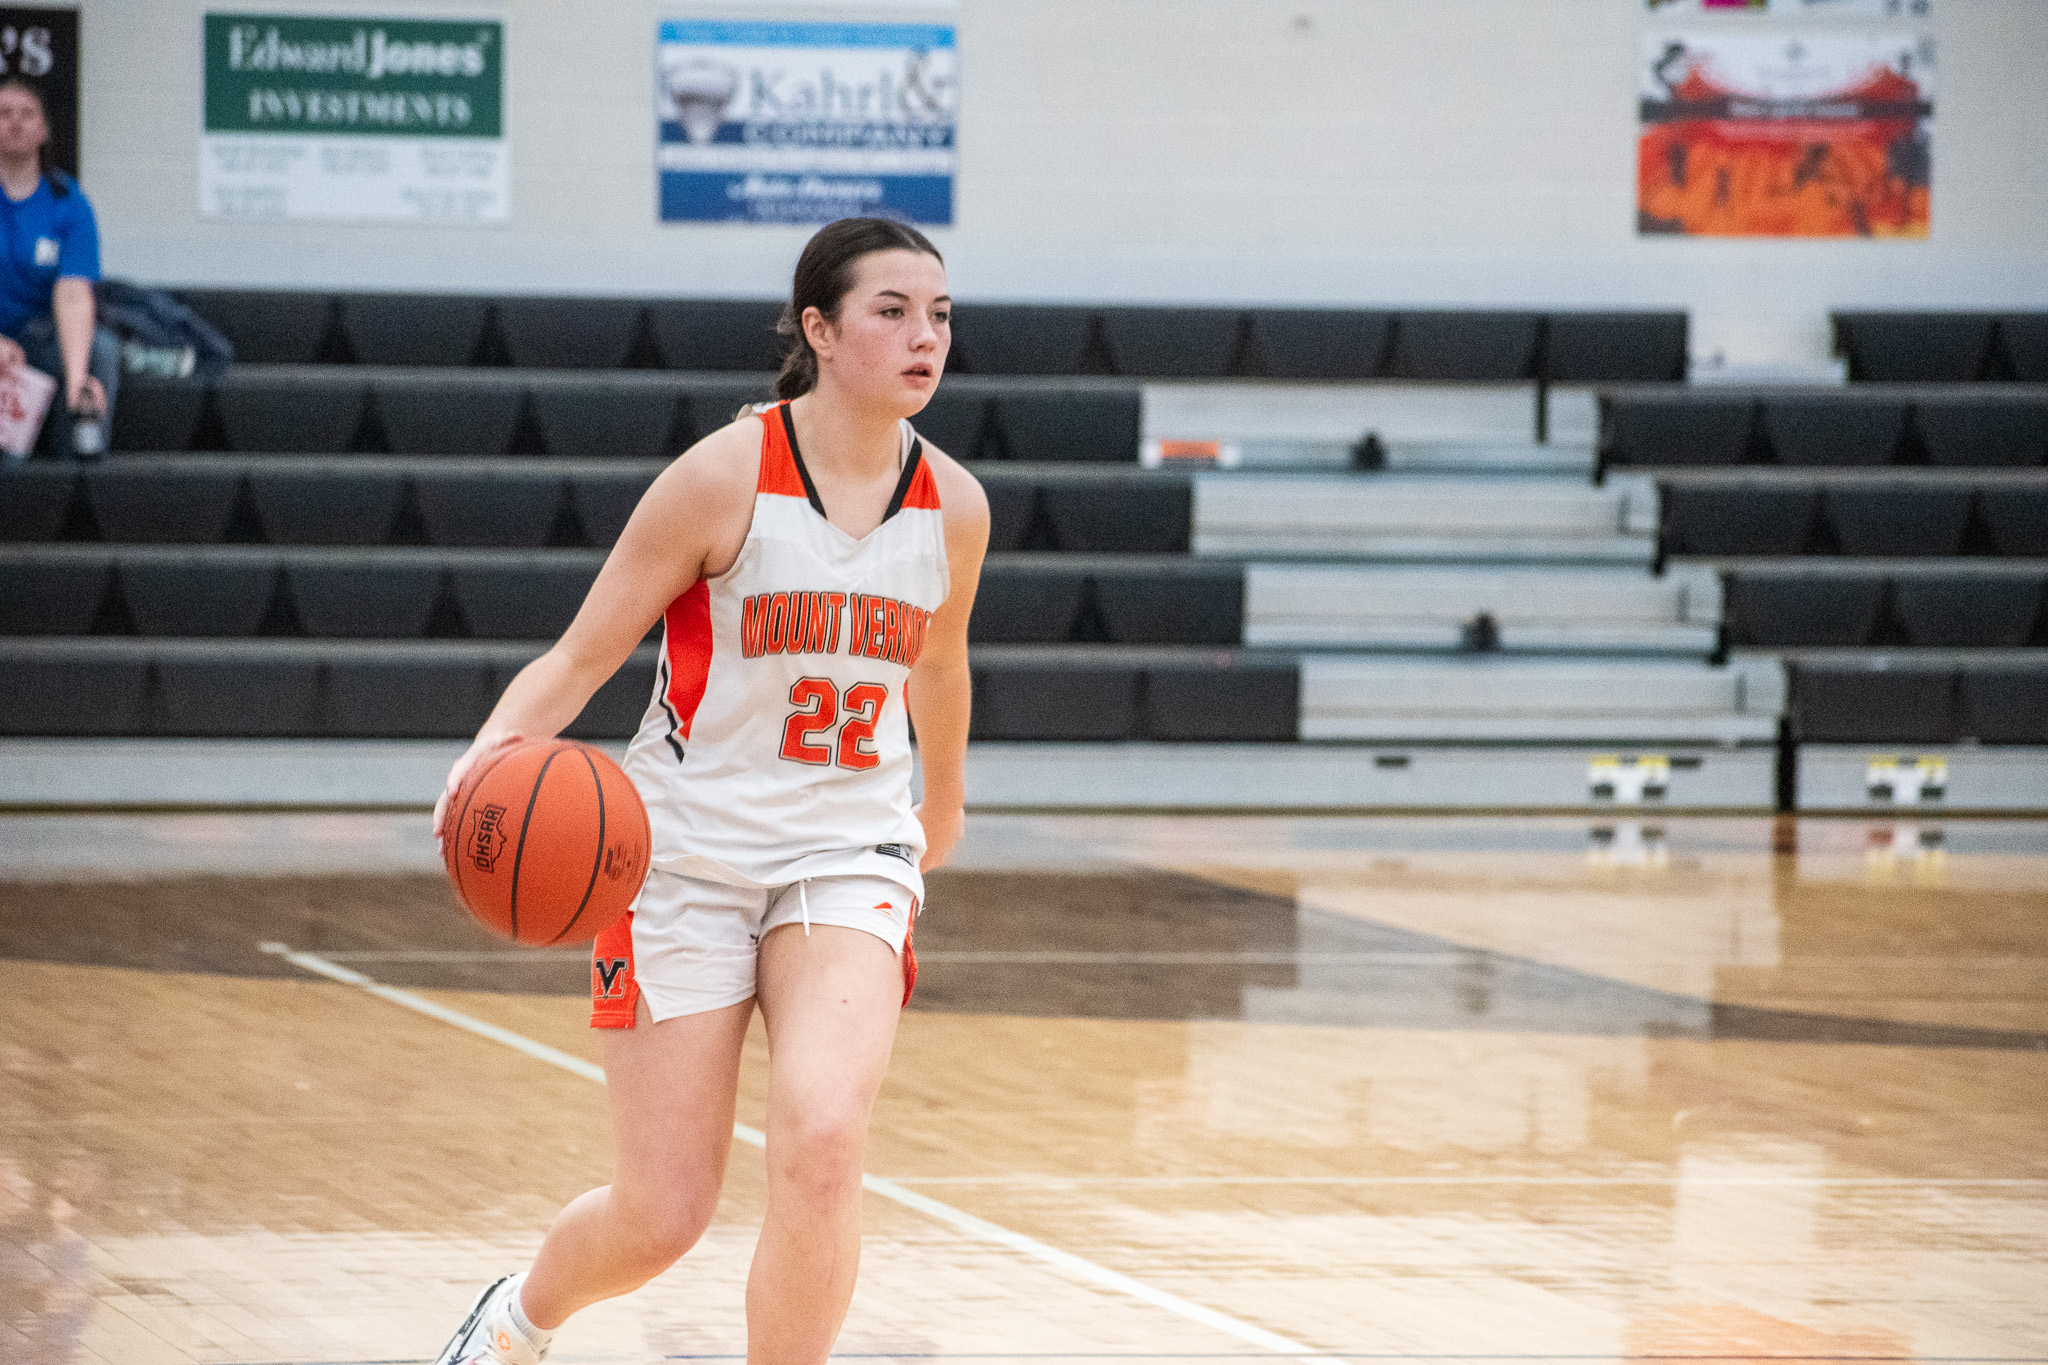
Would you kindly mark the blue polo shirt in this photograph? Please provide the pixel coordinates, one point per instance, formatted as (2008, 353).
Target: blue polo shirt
(43, 238)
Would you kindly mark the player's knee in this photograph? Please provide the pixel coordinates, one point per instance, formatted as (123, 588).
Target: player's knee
(657, 1237)
(819, 1155)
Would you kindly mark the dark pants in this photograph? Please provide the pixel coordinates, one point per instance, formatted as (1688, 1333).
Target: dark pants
(38, 338)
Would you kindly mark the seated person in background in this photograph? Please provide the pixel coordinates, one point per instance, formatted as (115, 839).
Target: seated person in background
(49, 259)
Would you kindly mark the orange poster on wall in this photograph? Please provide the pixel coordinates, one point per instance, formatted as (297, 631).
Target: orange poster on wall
(1761, 135)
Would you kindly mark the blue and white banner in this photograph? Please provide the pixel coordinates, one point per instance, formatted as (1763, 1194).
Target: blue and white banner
(766, 122)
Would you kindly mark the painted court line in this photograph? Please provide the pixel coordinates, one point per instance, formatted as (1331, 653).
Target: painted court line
(979, 1228)
(1026, 1181)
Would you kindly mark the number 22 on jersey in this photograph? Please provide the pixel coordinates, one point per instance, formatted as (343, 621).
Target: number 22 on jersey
(818, 706)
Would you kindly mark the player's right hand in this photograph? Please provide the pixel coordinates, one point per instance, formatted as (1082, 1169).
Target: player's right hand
(480, 748)
(11, 353)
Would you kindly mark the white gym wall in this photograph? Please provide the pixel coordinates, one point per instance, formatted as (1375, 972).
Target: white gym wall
(1458, 152)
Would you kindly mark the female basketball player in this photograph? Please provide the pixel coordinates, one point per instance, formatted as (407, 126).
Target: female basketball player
(813, 565)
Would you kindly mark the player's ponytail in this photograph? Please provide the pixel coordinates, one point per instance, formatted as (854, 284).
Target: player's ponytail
(824, 277)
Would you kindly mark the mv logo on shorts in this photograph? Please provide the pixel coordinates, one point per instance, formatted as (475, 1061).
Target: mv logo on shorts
(487, 840)
(611, 977)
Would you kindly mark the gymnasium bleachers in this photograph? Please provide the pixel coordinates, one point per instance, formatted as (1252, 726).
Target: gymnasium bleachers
(1943, 347)
(394, 501)
(1889, 541)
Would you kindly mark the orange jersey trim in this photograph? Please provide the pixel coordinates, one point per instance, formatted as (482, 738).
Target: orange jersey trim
(779, 474)
(686, 641)
(924, 489)
(614, 990)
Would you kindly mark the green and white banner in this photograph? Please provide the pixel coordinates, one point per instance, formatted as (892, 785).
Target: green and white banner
(321, 117)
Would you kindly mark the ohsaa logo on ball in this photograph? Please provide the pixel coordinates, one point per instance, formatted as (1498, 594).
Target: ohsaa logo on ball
(487, 841)
(622, 859)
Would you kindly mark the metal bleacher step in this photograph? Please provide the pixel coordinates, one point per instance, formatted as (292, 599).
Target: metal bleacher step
(1410, 457)
(1423, 518)
(1542, 610)
(1505, 700)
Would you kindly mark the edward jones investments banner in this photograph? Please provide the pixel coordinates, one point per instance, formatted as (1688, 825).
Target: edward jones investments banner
(771, 122)
(1808, 134)
(347, 118)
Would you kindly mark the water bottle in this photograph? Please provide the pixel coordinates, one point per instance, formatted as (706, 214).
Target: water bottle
(88, 434)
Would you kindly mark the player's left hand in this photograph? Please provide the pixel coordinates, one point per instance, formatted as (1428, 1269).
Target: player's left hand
(943, 826)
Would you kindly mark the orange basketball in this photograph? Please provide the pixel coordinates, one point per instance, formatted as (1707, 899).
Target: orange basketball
(547, 842)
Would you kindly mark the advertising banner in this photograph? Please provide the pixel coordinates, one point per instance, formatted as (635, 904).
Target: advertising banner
(764, 122)
(1818, 134)
(314, 117)
(1800, 9)
(41, 47)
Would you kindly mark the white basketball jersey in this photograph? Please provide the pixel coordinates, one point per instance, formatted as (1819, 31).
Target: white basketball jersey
(777, 745)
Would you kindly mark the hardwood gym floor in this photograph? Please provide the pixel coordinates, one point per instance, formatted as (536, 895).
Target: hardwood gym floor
(1375, 1089)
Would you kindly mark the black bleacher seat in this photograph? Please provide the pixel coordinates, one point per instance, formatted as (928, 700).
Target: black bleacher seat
(718, 334)
(1771, 610)
(1869, 704)
(531, 601)
(714, 404)
(1968, 611)
(34, 501)
(1188, 605)
(1914, 347)
(1599, 348)
(289, 415)
(161, 506)
(1025, 701)
(156, 414)
(1227, 700)
(55, 694)
(172, 596)
(364, 601)
(2026, 345)
(266, 327)
(413, 329)
(2017, 519)
(1064, 424)
(1012, 503)
(325, 506)
(611, 419)
(575, 334)
(509, 510)
(423, 416)
(1026, 605)
(1742, 519)
(616, 709)
(51, 596)
(1675, 429)
(996, 338)
(403, 697)
(237, 698)
(953, 421)
(1898, 519)
(1171, 343)
(604, 500)
(1153, 515)
(1322, 343)
(1470, 346)
(2005, 705)
(1984, 432)
(1834, 430)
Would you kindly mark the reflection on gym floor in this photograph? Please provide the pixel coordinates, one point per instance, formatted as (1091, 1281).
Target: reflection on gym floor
(1391, 1088)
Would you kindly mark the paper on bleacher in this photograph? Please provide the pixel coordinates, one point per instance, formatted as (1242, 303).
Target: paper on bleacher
(25, 395)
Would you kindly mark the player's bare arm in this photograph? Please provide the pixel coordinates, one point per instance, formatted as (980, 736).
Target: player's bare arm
(690, 525)
(940, 691)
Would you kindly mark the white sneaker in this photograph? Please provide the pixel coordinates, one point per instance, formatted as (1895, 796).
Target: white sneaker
(488, 1336)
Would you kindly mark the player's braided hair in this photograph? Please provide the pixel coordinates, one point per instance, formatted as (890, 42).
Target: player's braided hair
(824, 277)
